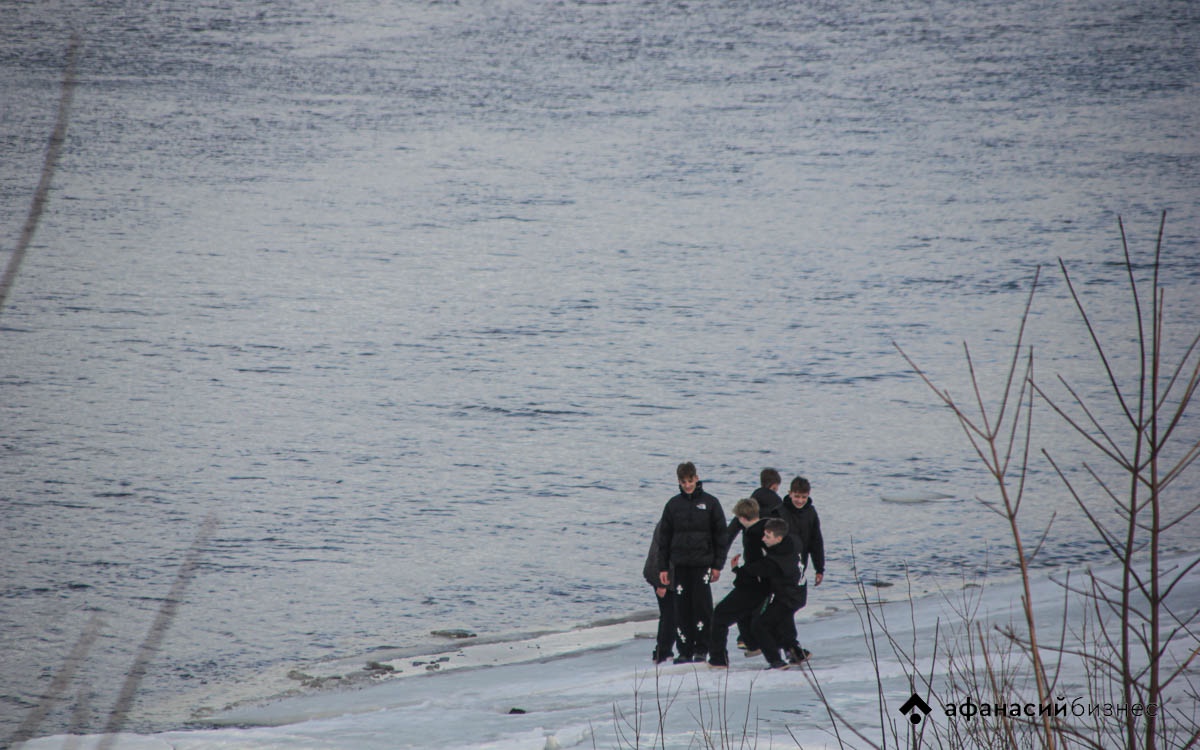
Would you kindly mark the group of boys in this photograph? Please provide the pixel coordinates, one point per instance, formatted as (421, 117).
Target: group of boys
(780, 540)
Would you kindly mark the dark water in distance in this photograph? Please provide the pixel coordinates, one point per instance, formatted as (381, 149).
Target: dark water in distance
(424, 301)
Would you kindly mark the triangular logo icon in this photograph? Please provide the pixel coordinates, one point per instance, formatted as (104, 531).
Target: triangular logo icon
(916, 709)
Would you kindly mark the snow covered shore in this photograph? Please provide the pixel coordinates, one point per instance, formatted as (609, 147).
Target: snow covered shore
(598, 688)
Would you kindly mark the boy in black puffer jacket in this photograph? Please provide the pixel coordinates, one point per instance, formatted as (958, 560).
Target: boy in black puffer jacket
(691, 553)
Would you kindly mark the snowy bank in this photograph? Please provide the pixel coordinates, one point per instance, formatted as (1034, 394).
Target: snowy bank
(597, 688)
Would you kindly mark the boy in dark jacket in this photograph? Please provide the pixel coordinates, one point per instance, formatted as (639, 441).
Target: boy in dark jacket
(767, 495)
(767, 501)
(805, 530)
(667, 635)
(691, 553)
(749, 593)
(770, 505)
(780, 568)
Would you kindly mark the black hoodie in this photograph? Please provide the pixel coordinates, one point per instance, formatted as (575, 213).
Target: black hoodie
(769, 506)
(781, 571)
(804, 528)
(755, 550)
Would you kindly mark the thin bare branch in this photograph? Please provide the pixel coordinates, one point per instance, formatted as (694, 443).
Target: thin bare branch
(1027, 443)
(41, 193)
(1182, 669)
(1112, 496)
(1181, 467)
(987, 427)
(835, 716)
(1109, 540)
(1179, 578)
(1062, 637)
(60, 682)
(944, 396)
(1012, 368)
(1191, 388)
(1045, 533)
(997, 694)
(1137, 304)
(1112, 378)
(1112, 450)
(150, 644)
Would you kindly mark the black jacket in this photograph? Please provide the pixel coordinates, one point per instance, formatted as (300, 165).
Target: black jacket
(755, 550)
(692, 532)
(650, 569)
(804, 528)
(769, 506)
(769, 503)
(753, 547)
(780, 568)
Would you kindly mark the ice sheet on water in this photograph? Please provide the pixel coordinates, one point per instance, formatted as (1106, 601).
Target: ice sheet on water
(549, 693)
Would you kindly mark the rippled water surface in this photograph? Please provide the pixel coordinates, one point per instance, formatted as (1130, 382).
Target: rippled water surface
(424, 301)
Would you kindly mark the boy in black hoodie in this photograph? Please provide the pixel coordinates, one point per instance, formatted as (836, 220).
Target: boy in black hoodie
(805, 530)
(770, 505)
(780, 568)
(749, 593)
(691, 553)
(767, 494)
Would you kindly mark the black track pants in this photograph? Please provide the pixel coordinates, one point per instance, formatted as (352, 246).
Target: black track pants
(693, 609)
(738, 604)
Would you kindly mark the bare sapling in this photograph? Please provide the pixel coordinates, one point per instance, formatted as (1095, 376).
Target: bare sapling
(1136, 642)
(1129, 639)
(1140, 627)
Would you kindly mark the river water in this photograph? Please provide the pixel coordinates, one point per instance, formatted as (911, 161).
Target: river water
(424, 301)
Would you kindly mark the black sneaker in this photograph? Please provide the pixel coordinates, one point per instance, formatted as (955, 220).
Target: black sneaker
(753, 652)
(780, 665)
(682, 659)
(797, 655)
(720, 661)
(660, 659)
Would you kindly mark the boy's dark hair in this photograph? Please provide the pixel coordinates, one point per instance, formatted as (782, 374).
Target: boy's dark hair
(769, 477)
(776, 526)
(685, 470)
(747, 507)
(800, 484)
